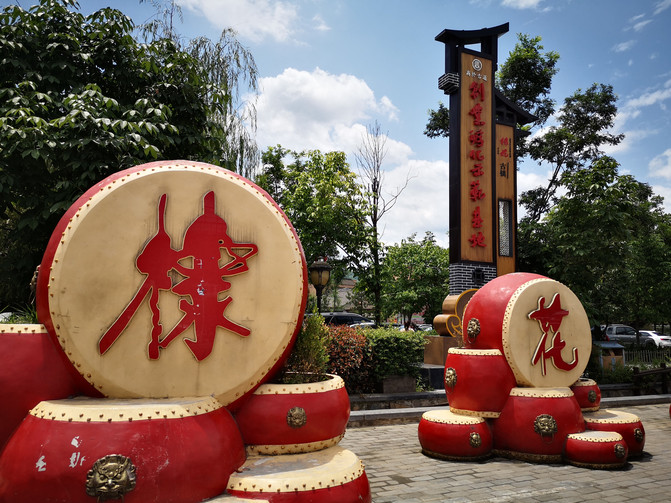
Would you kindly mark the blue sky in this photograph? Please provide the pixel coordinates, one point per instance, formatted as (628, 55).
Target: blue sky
(329, 68)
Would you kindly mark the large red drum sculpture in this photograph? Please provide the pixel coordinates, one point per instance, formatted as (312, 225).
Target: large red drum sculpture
(527, 342)
(80, 450)
(477, 381)
(168, 280)
(32, 370)
(292, 418)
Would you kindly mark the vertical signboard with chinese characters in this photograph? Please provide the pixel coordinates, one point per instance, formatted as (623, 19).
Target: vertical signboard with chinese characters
(505, 199)
(476, 152)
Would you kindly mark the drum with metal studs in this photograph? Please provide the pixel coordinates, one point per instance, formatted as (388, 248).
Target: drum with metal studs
(446, 435)
(333, 475)
(136, 450)
(477, 381)
(588, 394)
(292, 418)
(535, 422)
(536, 322)
(625, 423)
(596, 449)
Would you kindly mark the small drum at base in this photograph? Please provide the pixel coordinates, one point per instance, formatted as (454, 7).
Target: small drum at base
(292, 418)
(587, 393)
(138, 451)
(626, 424)
(333, 475)
(535, 422)
(446, 435)
(596, 449)
(477, 381)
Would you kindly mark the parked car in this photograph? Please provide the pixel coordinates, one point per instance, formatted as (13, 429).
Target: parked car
(625, 334)
(660, 340)
(349, 319)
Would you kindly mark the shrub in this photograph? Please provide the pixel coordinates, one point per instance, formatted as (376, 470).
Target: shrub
(349, 357)
(309, 355)
(395, 352)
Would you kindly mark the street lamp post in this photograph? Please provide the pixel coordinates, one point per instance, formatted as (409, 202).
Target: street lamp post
(320, 272)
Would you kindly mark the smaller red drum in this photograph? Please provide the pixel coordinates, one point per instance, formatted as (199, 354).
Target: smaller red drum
(446, 435)
(333, 475)
(292, 418)
(535, 422)
(626, 424)
(33, 369)
(83, 450)
(477, 381)
(596, 449)
(588, 394)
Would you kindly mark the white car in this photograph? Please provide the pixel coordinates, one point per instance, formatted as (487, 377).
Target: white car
(661, 340)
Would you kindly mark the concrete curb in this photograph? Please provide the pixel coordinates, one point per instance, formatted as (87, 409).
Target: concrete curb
(379, 417)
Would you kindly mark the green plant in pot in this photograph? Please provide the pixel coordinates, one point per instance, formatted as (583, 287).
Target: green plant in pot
(309, 357)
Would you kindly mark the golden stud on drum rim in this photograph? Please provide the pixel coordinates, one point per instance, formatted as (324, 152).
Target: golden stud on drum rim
(174, 279)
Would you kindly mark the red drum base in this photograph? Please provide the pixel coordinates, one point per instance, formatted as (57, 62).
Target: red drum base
(32, 370)
(626, 424)
(446, 435)
(535, 422)
(333, 475)
(477, 381)
(588, 394)
(293, 418)
(596, 449)
(138, 451)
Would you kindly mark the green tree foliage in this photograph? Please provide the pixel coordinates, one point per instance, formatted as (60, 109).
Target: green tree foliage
(320, 195)
(607, 239)
(526, 76)
(80, 98)
(582, 131)
(416, 277)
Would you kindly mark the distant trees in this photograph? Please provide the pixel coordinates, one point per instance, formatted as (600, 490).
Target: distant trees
(81, 98)
(416, 277)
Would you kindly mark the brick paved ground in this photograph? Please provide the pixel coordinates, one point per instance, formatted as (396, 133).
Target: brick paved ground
(399, 472)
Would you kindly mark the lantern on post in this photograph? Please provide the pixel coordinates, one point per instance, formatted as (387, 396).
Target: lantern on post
(320, 272)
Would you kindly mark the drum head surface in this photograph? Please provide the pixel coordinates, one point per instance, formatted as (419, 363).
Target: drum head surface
(546, 335)
(174, 279)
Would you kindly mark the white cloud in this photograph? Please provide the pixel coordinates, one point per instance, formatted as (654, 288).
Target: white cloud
(642, 24)
(661, 165)
(624, 46)
(320, 24)
(422, 206)
(665, 192)
(300, 109)
(252, 19)
(521, 4)
(662, 6)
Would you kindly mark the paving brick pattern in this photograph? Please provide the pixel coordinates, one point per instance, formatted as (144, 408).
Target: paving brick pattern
(399, 472)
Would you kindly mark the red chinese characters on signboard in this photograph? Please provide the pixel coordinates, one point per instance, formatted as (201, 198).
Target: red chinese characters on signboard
(550, 318)
(476, 139)
(204, 240)
(504, 154)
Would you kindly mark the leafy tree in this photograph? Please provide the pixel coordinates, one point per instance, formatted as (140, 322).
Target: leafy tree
(416, 277)
(323, 201)
(602, 240)
(582, 131)
(369, 158)
(80, 98)
(525, 78)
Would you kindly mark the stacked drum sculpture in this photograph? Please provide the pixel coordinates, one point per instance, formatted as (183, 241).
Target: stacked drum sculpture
(515, 387)
(170, 294)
